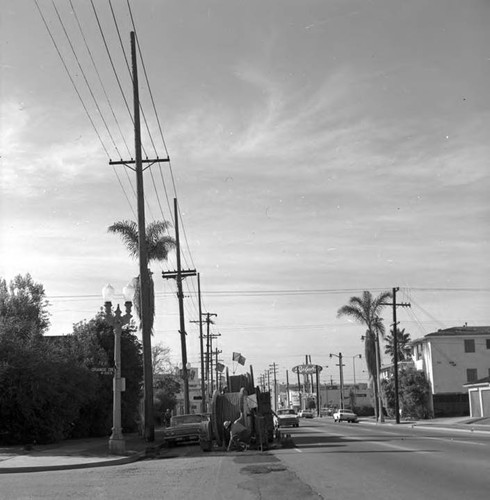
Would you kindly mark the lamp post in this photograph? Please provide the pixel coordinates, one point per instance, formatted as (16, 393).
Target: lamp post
(354, 367)
(117, 320)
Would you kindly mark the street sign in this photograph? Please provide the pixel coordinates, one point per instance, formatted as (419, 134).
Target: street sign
(103, 370)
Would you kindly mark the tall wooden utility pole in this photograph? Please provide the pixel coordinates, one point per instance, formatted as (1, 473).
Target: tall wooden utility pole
(218, 378)
(203, 386)
(287, 388)
(209, 321)
(179, 276)
(395, 350)
(273, 367)
(211, 337)
(145, 320)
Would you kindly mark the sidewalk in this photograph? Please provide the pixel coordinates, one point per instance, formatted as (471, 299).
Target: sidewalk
(461, 423)
(75, 454)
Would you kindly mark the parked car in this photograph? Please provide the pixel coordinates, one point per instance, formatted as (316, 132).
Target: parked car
(187, 428)
(286, 417)
(346, 415)
(305, 414)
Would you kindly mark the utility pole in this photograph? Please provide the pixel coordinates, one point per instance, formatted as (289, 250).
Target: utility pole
(395, 349)
(340, 365)
(203, 388)
(179, 275)
(218, 378)
(299, 391)
(317, 390)
(287, 388)
(209, 321)
(274, 369)
(145, 319)
(211, 337)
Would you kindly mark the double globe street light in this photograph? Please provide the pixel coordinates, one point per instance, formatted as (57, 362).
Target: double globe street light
(117, 320)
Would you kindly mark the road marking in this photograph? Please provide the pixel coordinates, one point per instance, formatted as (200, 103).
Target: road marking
(298, 450)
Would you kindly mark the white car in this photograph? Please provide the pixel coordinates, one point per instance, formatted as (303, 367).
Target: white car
(286, 417)
(346, 415)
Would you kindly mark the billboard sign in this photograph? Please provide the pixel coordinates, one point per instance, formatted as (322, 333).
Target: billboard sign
(307, 369)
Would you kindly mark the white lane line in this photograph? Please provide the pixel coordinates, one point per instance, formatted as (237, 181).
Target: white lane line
(455, 441)
(298, 450)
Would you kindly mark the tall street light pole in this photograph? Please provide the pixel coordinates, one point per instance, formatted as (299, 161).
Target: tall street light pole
(117, 320)
(354, 367)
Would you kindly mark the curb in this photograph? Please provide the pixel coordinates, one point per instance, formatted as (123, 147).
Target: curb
(134, 457)
(437, 427)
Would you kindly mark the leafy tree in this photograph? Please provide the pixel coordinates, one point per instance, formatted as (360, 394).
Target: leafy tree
(160, 356)
(23, 307)
(41, 392)
(402, 342)
(366, 310)
(158, 245)
(47, 389)
(93, 342)
(413, 393)
(165, 398)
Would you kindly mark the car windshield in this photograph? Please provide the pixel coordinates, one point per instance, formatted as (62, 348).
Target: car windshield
(286, 412)
(187, 419)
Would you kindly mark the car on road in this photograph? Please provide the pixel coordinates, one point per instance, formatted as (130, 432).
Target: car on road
(305, 414)
(345, 415)
(286, 417)
(187, 428)
(326, 412)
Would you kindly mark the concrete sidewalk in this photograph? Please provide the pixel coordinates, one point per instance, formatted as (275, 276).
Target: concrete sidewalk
(461, 423)
(76, 454)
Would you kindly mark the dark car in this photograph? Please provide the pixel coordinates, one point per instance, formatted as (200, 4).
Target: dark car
(186, 428)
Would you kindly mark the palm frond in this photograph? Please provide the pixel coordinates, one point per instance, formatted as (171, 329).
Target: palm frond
(158, 250)
(128, 231)
(155, 229)
(353, 312)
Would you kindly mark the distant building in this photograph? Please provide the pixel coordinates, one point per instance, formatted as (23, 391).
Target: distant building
(195, 394)
(353, 395)
(451, 358)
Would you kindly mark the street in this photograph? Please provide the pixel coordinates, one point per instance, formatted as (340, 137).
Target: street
(390, 462)
(329, 461)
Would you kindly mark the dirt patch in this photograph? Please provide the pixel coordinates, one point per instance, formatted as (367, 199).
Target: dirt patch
(262, 469)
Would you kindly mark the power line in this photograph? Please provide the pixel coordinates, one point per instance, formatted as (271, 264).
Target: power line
(71, 79)
(99, 78)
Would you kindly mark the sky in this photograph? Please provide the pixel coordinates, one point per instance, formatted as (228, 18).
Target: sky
(318, 148)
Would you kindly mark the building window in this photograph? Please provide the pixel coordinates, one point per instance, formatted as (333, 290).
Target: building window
(471, 375)
(469, 345)
(488, 343)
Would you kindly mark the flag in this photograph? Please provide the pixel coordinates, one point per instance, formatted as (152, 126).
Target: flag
(220, 367)
(241, 360)
(236, 356)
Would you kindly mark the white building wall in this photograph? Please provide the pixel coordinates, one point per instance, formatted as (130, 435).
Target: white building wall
(445, 362)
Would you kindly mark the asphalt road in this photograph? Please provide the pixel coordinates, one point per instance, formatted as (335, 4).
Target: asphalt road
(352, 461)
(329, 461)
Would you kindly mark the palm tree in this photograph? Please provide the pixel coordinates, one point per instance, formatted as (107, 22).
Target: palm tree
(366, 310)
(402, 343)
(158, 245)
